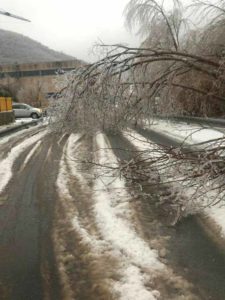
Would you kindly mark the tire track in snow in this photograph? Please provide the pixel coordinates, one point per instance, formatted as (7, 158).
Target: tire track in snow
(136, 265)
(31, 153)
(90, 255)
(17, 138)
(129, 263)
(25, 219)
(64, 178)
(7, 163)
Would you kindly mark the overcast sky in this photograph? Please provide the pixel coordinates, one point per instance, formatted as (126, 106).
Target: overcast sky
(70, 26)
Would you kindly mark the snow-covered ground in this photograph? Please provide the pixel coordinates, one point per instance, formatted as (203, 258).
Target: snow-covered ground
(192, 135)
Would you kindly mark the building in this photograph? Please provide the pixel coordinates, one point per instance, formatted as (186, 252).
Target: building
(33, 83)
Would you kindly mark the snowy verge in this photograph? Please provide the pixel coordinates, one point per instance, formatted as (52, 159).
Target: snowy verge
(195, 134)
(217, 214)
(190, 134)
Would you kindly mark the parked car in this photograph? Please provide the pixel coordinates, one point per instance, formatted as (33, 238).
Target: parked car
(22, 110)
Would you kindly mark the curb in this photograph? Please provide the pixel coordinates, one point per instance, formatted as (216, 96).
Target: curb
(195, 120)
(10, 130)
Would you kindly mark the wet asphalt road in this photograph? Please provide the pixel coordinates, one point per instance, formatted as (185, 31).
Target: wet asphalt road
(191, 252)
(25, 220)
(28, 268)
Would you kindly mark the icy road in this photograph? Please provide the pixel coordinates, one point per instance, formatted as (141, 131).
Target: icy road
(70, 229)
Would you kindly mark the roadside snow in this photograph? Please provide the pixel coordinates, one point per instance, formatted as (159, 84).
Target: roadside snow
(217, 214)
(23, 120)
(7, 163)
(191, 134)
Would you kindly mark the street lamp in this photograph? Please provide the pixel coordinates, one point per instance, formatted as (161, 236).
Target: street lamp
(5, 13)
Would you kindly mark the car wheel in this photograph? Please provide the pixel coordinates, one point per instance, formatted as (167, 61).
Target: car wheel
(34, 116)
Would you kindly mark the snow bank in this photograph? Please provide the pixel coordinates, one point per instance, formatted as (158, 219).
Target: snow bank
(7, 163)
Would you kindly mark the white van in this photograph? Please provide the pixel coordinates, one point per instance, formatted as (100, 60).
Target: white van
(22, 110)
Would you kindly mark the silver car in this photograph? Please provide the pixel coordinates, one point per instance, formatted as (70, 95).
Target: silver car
(22, 110)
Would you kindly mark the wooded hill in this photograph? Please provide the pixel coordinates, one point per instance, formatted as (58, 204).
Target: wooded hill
(17, 48)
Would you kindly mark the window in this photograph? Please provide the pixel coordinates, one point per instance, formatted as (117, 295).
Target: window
(19, 106)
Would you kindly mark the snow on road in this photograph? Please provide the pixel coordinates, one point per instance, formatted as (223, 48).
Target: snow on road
(192, 135)
(113, 212)
(113, 218)
(63, 181)
(7, 163)
(62, 185)
(135, 262)
(12, 136)
(164, 170)
(150, 150)
(143, 144)
(31, 153)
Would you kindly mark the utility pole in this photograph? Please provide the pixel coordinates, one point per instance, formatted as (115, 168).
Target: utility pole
(5, 13)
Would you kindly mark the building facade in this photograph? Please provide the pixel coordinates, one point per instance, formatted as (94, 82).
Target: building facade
(34, 83)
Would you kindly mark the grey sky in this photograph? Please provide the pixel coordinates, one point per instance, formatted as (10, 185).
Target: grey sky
(71, 26)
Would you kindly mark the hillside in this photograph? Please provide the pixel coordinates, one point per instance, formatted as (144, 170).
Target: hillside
(17, 48)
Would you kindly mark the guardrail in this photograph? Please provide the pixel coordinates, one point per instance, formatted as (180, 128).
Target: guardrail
(197, 120)
(15, 128)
